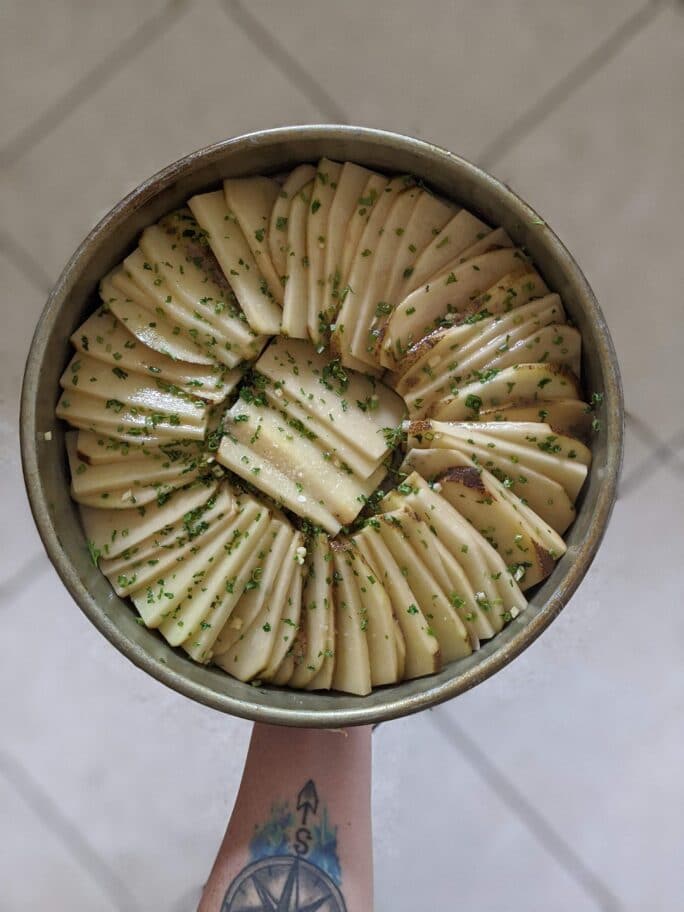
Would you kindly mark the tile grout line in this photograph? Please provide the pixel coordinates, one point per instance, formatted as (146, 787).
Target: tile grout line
(67, 833)
(18, 580)
(550, 840)
(24, 260)
(99, 76)
(281, 57)
(663, 451)
(588, 67)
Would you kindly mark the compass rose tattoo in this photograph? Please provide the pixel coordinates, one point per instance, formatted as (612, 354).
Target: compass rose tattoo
(294, 864)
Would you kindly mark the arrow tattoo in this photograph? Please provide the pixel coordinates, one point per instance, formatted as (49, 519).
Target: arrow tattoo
(307, 801)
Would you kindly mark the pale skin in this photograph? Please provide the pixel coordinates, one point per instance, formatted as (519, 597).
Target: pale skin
(282, 765)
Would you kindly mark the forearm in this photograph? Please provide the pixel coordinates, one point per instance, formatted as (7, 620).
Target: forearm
(304, 800)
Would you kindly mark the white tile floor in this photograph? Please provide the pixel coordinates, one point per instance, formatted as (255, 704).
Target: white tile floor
(557, 784)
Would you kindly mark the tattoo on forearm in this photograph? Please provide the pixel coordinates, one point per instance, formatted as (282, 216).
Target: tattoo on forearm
(294, 865)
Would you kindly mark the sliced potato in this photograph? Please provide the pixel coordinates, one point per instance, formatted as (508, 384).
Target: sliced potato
(440, 614)
(280, 215)
(235, 257)
(104, 337)
(137, 311)
(422, 647)
(352, 673)
(314, 662)
(448, 294)
(571, 417)
(322, 195)
(525, 381)
(251, 200)
(111, 532)
(249, 656)
(386, 647)
(373, 191)
(289, 619)
(462, 230)
(274, 551)
(295, 313)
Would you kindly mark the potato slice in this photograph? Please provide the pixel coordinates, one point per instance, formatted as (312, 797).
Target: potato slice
(295, 312)
(496, 591)
(540, 456)
(373, 191)
(546, 497)
(289, 621)
(251, 200)
(386, 648)
(96, 449)
(551, 344)
(106, 339)
(200, 643)
(286, 491)
(111, 416)
(336, 446)
(462, 355)
(446, 571)
(351, 182)
(440, 614)
(111, 532)
(322, 195)
(448, 294)
(429, 216)
(170, 308)
(179, 250)
(314, 660)
(250, 655)
(376, 208)
(565, 416)
(235, 257)
(374, 304)
(495, 240)
(533, 435)
(462, 230)
(101, 381)
(274, 550)
(180, 600)
(137, 312)
(356, 406)
(477, 496)
(142, 565)
(280, 213)
(525, 381)
(352, 673)
(422, 647)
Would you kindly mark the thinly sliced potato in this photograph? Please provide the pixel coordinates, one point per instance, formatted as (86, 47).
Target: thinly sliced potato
(295, 312)
(352, 673)
(322, 195)
(440, 614)
(386, 648)
(462, 230)
(422, 647)
(235, 257)
(274, 551)
(314, 662)
(280, 215)
(571, 417)
(289, 619)
(104, 337)
(447, 295)
(251, 200)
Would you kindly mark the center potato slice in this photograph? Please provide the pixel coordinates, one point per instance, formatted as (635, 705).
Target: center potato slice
(266, 434)
(357, 406)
